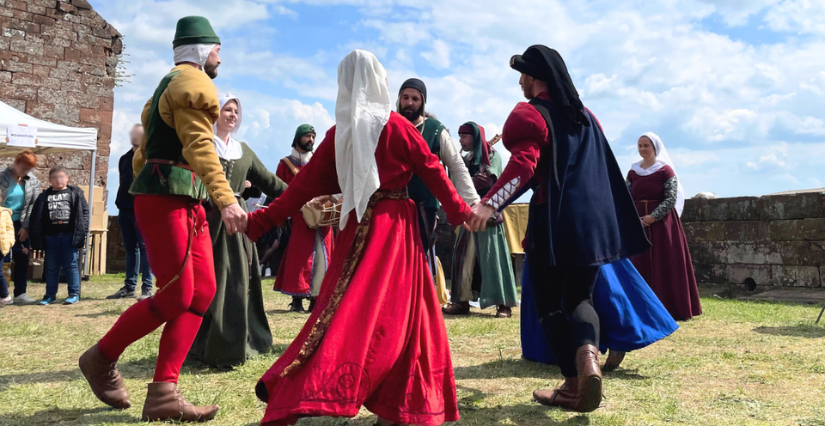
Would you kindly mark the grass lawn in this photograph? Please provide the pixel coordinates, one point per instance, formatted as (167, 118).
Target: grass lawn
(740, 363)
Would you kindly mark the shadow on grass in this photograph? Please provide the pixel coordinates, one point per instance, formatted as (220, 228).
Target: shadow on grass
(55, 416)
(521, 414)
(800, 330)
(106, 313)
(38, 377)
(522, 368)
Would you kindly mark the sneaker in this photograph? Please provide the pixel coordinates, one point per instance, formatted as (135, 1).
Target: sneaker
(24, 299)
(71, 300)
(6, 301)
(145, 294)
(47, 300)
(122, 294)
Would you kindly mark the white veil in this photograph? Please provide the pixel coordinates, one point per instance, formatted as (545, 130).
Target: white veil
(361, 112)
(231, 149)
(662, 159)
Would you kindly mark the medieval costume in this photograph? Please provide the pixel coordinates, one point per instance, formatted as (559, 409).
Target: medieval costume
(482, 268)
(631, 317)
(442, 145)
(581, 217)
(306, 258)
(235, 326)
(375, 337)
(177, 170)
(666, 266)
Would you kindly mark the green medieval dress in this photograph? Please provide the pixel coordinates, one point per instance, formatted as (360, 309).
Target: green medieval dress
(235, 327)
(482, 268)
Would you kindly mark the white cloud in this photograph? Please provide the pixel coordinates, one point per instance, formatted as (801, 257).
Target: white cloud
(439, 57)
(798, 16)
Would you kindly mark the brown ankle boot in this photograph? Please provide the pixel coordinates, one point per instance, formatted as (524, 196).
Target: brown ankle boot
(104, 379)
(590, 379)
(564, 396)
(460, 308)
(614, 360)
(164, 402)
(504, 312)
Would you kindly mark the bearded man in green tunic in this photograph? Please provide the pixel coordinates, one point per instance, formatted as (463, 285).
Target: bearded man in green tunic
(481, 261)
(235, 326)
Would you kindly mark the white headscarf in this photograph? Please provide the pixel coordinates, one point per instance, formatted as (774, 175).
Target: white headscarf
(231, 149)
(662, 159)
(361, 112)
(195, 53)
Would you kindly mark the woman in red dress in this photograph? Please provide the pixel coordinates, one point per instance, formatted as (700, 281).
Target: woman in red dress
(376, 336)
(659, 198)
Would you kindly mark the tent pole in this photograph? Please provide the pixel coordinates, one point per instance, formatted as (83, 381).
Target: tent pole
(85, 267)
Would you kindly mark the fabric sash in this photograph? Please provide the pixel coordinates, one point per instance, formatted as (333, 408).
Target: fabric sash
(350, 265)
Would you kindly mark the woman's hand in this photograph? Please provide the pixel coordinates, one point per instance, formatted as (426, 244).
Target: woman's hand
(247, 184)
(647, 220)
(484, 212)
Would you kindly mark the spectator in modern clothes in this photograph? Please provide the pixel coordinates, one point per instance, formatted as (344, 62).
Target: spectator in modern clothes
(6, 241)
(19, 187)
(136, 259)
(60, 220)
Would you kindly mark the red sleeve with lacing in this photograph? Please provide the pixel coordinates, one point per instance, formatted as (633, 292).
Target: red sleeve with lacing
(524, 135)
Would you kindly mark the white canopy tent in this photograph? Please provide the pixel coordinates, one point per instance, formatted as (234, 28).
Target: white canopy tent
(52, 138)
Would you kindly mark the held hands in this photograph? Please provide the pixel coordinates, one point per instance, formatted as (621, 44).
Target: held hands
(234, 218)
(23, 235)
(647, 220)
(478, 220)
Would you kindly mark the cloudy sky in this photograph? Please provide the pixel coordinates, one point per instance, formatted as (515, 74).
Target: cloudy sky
(735, 88)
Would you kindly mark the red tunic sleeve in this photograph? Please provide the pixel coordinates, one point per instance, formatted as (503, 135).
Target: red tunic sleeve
(318, 177)
(284, 173)
(524, 134)
(427, 166)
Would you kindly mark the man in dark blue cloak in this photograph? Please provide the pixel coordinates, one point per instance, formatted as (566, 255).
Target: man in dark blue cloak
(581, 216)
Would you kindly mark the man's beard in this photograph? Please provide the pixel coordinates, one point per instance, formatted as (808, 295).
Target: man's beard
(211, 70)
(412, 114)
(307, 147)
(527, 89)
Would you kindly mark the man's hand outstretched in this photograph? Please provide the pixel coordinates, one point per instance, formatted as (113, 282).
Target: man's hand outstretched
(234, 218)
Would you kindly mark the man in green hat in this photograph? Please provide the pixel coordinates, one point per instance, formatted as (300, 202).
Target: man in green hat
(307, 255)
(177, 171)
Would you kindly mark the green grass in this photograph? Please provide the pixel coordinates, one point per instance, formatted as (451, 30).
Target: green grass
(742, 363)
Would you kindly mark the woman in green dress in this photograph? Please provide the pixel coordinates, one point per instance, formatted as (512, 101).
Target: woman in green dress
(235, 327)
(482, 268)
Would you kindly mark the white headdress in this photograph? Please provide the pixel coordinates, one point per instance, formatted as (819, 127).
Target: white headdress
(361, 112)
(229, 149)
(662, 159)
(195, 53)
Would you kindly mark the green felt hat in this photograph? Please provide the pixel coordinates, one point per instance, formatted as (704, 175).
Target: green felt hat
(194, 30)
(302, 130)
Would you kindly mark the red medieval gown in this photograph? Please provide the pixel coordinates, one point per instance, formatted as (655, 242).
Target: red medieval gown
(295, 273)
(385, 346)
(666, 266)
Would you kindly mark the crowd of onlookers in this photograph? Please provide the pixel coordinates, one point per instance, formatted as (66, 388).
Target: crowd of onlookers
(54, 221)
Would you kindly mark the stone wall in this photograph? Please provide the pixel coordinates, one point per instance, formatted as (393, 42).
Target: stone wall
(774, 240)
(58, 61)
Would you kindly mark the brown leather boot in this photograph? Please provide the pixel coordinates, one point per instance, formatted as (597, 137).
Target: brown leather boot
(614, 360)
(164, 402)
(504, 312)
(590, 379)
(564, 396)
(460, 308)
(104, 379)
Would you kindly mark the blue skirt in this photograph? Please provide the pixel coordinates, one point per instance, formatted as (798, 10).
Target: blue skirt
(631, 316)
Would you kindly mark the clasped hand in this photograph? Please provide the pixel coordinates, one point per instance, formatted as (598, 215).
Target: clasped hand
(234, 218)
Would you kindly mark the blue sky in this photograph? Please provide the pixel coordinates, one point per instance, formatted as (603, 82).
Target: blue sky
(735, 88)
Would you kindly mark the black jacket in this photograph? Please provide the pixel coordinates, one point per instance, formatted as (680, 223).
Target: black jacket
(125, 200)
(80, 218)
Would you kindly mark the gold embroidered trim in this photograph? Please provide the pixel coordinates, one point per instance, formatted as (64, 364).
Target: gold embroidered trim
(350, 265)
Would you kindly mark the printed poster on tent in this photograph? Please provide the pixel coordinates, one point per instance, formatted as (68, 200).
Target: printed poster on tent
(21, 136)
